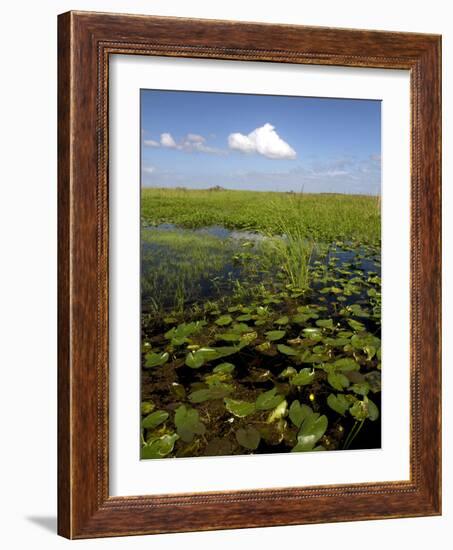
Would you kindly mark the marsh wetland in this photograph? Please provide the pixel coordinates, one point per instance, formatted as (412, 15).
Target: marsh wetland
(261, 322)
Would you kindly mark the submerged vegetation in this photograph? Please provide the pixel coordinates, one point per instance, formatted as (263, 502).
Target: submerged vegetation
(260, 322)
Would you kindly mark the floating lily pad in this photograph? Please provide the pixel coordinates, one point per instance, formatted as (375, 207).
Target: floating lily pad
(156, 359)
(304, 377)
(268, 400)
(147, 407)
(325, 323)
(311, 431)
(224, 368)
(279, 412)
(356, 325)
(224, 320)
(208, 394)
(248, 437)
(346, 364)
(282, 320)
(337, 380)
(188, 423)
(338, 403)
(286, 350)
(240, 409)
(154, 419)
(273, 335)
(298, 413)
(373, 411)
(160, 447)
(361, 388)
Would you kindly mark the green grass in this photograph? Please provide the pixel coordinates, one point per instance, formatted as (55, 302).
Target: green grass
(321, 217)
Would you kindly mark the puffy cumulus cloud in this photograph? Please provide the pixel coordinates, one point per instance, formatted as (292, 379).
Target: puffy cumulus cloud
(190, 143)
(264, 141)
(148, 169)
(195, 138)
(166, 140)
(151, 143)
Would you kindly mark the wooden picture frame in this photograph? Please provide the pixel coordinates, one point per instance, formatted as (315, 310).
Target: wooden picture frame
(85, 41)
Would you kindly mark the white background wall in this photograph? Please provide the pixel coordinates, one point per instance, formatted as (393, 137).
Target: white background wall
(28, 214)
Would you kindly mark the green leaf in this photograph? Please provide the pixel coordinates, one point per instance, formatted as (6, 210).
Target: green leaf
(312, 332)
(304, 377)
(337, 380)
(245, 317)
(361, 388)
(160, 447)
(248, 437)
(188, 424)
(374, 380)
(356, 325)
(373, 411)
(325, 323)
(298, 413)
(147, 407)
(209, 394)
(241, 409)
(156, 359)
(359, 410)
(346, 364)
(154, 419)
(273, 335)
(195, 359)
(338, 403)
(223, 320)
(179, 335)
(288, 372)
(286, 350)
(224, 368)
(311, 431)
(268, 400)
(279, 412)
(229, 337)
(282, 320)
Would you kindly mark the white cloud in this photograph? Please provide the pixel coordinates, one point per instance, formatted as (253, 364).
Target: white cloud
(148, 169)
(190, 143)
(166, 140)
(264, 141)
(195, 138)
(151, 143)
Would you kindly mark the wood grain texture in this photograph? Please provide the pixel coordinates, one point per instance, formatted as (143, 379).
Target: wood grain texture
(85, 42)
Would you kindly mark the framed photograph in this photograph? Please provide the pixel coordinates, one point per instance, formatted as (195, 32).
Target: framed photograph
(249, 275)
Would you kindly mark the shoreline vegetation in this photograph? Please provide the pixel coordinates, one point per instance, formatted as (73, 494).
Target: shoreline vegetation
(260, 322)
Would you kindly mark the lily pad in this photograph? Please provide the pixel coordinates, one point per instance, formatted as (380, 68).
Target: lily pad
(208, 394)
(223, 320)
(241, 409)
(325, 323)
(156, 359)
(248, 437)
(226, 368)
(286, 350)
(338, 403)
(311, 431)
(268, 400)
(298, 413)
(279, 412)
(160, 447)
(154, 419)
(346, 364)
(188, 424)
(273, 335)
(282, 320)
(304, 377)
(337, 380)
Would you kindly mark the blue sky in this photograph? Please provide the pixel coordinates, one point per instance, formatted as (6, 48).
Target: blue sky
(260, 142)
